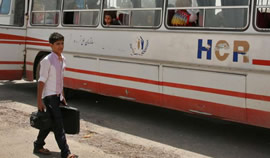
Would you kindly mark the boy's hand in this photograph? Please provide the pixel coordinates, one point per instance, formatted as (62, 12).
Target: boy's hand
(41, 106)
(64, 101)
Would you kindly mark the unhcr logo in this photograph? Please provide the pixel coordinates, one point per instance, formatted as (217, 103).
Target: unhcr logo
(139, 47)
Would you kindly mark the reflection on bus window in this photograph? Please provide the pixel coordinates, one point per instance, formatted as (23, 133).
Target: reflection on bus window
(135, 13)
(226, 14)
(45, 12)
(12, 14)
(81, 12)
(5, 6)
(263, 14)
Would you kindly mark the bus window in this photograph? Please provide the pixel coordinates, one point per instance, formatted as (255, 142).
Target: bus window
(81, 12)
(210, 14)
(263, 14)
(12, 12)
(5, 6)
(45, 12)
(134, 13)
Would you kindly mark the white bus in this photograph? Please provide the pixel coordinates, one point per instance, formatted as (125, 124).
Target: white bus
(207, 57)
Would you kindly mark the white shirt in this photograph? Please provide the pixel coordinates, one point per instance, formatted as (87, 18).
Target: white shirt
(52, 74)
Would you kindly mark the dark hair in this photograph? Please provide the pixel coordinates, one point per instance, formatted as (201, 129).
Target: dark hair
(55, 37)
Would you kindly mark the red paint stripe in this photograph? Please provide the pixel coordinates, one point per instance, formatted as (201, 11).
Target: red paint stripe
(176, 85)
(258, 97)
(27, 43)
(12, 62)
(17, 37)
(38, 44)
(35, 39)
(168, 84)
(114, 76)
(261, 62)
(204, 89)
(11, 37)
(222, 111)
(11, 74)
(258, 118)
(12, 42)
(29, 75)
(29, 63)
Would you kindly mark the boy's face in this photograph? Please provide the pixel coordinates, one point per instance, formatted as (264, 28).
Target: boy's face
(108, 19)
(57, 47)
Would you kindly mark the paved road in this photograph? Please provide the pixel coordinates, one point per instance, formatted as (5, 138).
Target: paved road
(117, 128)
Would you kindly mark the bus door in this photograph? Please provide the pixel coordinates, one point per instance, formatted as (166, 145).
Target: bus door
(12, 38)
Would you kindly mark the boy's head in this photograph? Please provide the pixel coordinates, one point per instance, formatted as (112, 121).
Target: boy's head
(55, 37)
(57, 43)
(108, 19)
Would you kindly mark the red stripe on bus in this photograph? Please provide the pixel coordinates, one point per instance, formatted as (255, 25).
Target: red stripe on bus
(17, 37)
(12, 62)
(258, 118)
(258, 97)
(168, 84)
(29, 63)
(11, 37)
(38, 44)
(29, 75)
(36, 39)
(175, 85)
(135, 79)
(222, 111)
(205, 89)
(261, 62)
(12, 42)
(11, 74)
(27, 43)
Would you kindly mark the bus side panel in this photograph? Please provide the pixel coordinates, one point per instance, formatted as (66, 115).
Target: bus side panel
(132, 81)
(203, 92)
(12, 46)
(81, 73)
(258, 99)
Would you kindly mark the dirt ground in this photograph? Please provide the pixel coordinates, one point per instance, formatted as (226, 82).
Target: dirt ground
(95, 141)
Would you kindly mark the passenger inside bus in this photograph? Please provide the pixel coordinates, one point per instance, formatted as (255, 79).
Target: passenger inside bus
(184, 17)
(110, 18)
(263, 18)
(38, 17)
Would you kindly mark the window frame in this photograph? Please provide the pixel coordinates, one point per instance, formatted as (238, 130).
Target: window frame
(11, 14)
(80, 10)
(130, 10)
(204, 8)
(255, 15)
(59, 12)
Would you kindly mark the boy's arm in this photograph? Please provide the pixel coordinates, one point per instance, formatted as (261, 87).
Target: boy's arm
(41, 106)
(63, 99)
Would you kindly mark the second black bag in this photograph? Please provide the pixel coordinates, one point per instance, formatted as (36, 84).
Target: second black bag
(40, 120)
(71, 119)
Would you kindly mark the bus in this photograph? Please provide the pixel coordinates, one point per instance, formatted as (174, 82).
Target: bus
(206, 57)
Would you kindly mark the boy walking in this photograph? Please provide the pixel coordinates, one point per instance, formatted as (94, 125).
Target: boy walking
(50, 93)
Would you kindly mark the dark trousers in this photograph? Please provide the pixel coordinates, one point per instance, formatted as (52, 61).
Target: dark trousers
(52, 105)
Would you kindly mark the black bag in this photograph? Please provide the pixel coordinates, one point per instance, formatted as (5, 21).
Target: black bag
(40, 120)
(71, 119)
